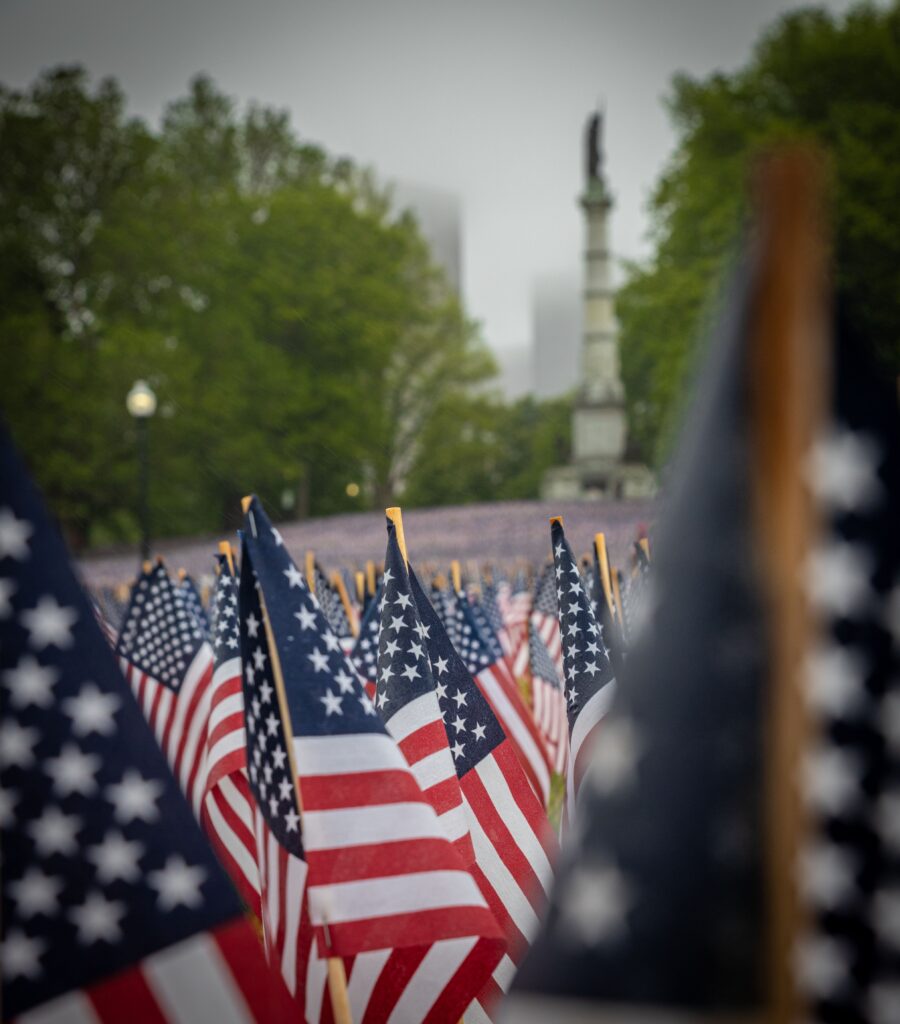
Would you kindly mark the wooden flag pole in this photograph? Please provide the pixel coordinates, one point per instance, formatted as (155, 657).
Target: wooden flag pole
(182, 573)
(146, 565)
(225, 550)
(337, 581)
(309, 570)
(603, 563)
(360, 578)
(370, 577)
(456, 576)
(395, 514)
(617, 598)
(337, 974)
(644, 545)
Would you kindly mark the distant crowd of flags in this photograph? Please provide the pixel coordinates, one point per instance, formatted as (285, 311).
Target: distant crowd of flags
(371, 759)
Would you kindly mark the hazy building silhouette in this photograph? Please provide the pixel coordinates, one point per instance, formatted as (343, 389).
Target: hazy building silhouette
(439, 215)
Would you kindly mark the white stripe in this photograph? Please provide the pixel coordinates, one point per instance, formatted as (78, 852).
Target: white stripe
(195, 751)
(237, 801)
(164, 711)
(316, 983)
(230, 840)
(228, 744)
(381, 823)
(437, 967)
(518, 729)
(476, 1014)
(224, 707)
(413, 716)
(366, 971)
(504, 973)
(435, 768)
(194, 984)
(511, 814)
(454, 823)
(294, 895)
(332, 755)
(72, 1008)
(501, 880)
(589, 716)
(186, 692)
(388, 897)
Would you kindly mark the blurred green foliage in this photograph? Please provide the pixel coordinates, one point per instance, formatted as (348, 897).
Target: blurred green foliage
(295, 331)
(830, 79)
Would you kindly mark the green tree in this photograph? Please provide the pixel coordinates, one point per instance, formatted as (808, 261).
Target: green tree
(813, 76)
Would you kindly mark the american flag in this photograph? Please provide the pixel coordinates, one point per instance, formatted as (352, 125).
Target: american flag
(515, 848)
(332, 607)
(588, 681)
(500, 687)
(491, 609)
(114, 907)
(545, 616)
(169, 665)
(514, 601)
(407, 702)
(384, 885)
(228, 805)
(365, 651)
(548, 701)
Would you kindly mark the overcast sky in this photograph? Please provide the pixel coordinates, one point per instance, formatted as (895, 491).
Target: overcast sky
(485, 98)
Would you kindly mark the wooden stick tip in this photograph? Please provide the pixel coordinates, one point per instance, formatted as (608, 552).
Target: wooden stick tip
(245, 502)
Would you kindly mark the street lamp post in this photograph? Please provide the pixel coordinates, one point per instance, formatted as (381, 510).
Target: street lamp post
(141, 404)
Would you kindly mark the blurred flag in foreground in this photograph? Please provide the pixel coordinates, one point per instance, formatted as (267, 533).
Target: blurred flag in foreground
(114, 907)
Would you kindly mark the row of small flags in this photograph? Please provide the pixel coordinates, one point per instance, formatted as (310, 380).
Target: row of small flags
(287, 804)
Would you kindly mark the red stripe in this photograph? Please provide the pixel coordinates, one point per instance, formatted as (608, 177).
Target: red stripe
(196, 698)
(126, 996)
(242, 952)
(444, 796)
(514, 939)
(409, 929)
(354, 789)
(481, 961)
(424, 741)
(381, 860)
(392, 981)
(248, 894)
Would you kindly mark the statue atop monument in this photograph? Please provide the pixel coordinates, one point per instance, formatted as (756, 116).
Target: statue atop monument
(595, 147)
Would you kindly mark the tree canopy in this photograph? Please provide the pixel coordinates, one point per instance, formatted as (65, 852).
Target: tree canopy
(292, 324)
(813, 77)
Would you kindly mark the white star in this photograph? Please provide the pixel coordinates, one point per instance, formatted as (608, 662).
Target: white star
(827, 875)
(98, 918)
(460, 698)
(558, 550)
(422, 630)
(306, 617)
(55, 832)
(259, 659)
(594, 904)
(292, 821)
(135, 797)
(345, 681)
(575, 588)
(30, 683)
(332, 702)
(411, 672)
(252, 626)
(590, 666)
(397, 623)
(178, 884)
(271, 725)
(273, 806)
(50, 623)
(415, 650)
(381, 698)
(837, 578)
(457, 749)
(265, 692)
(21, 955)
(7, 589)
(92, 711)
(36, 893)
(822, 965)
(279, 755)
(16, 742)
(73, 771)
(295, 579)
(403, 600)
(615, 756)
(478, 731)
(832, 780)
(319, 660)
(116, 858)
(835, 677)
(14, 534)
(571, 695)
(367, 704)
(441, 690)
(391, 647)
(440, 666)
(331, 641)
(843, 470)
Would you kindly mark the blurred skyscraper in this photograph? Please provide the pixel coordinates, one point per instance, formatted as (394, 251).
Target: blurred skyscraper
(556, 339)
(439, 215)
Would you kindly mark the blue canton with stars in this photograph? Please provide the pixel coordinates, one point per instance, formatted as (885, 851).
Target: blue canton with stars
(472, 727)
(192, 598)
(585, 658)
(404, 671)
(323, 692)
(224, 629)
(365, 651)
(331, 604)
(92, 882)
(159, 635)
(484, 630)
(465, 637)
(268, 758)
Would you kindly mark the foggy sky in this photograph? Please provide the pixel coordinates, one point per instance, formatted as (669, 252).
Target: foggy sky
(486, 99)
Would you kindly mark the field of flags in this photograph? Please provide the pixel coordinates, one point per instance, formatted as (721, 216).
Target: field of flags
(663, 790)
